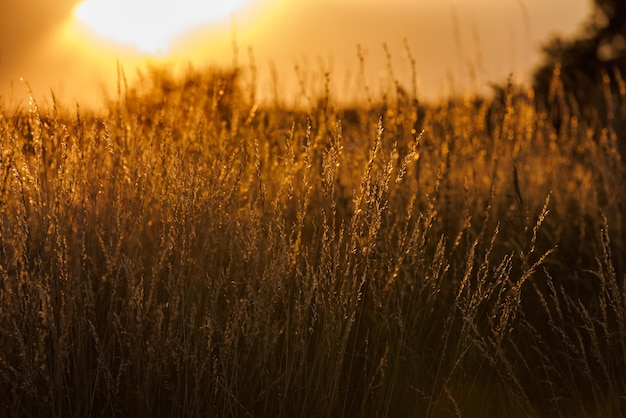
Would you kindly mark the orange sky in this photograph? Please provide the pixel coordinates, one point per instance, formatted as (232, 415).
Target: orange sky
(41, 42)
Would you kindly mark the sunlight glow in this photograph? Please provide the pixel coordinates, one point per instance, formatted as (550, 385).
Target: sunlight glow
(151, 25)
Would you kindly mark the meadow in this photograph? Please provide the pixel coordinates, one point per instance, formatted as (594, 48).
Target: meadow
(186, 251)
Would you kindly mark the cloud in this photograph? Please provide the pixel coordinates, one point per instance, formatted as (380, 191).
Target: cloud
(28, 32)
(24, 23)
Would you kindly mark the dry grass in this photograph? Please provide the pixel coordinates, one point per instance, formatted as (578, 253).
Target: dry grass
(188, 253)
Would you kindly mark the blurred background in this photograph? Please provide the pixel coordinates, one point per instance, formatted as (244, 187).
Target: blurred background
(72, 48)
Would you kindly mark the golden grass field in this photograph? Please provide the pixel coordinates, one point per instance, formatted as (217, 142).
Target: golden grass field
(184, 251)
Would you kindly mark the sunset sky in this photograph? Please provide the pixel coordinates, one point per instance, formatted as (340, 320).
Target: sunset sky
(73, 49)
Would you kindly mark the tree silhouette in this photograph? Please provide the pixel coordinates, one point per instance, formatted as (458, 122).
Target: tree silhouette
(582, 81)
(596, 57)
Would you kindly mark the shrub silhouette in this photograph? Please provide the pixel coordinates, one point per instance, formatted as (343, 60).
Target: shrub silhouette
(584, 77)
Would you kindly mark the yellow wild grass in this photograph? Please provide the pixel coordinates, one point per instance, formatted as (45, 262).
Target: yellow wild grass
(187, 252)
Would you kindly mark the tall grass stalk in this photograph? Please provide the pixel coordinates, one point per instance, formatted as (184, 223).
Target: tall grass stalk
(186, 251)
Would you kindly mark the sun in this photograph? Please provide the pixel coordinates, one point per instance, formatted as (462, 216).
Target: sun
(151, 25)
